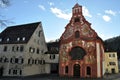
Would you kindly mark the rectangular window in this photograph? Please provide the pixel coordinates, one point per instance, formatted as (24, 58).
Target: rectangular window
(20, 72)
(113, 55)
(66, 69)
(52, 56)
(5, 48)
(39, 33)
(17, 48)
(16, 60)
(32, 50)
(37, 51)
(112, 63)
(21, 48)
(23, 38)
(13, 48)
(9, 71)
(14, 71)
(109, 55)
(0, 39)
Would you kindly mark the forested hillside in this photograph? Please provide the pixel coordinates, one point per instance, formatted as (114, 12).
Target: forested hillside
(113, 44)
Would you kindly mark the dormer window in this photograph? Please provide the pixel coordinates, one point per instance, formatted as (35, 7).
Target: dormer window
(18, 39)
(8, 39)
(0, 39)
(23, 38)
(77, 34)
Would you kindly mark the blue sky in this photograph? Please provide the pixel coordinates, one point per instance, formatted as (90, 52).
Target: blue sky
(55, 15)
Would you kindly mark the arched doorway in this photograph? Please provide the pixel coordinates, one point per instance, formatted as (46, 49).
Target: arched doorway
(88, 71)
(76, 70)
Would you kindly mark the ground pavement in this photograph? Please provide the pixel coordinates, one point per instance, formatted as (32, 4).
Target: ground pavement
(56, 77)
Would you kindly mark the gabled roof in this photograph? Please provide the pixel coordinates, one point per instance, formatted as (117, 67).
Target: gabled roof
(18, 34)
(77, 5)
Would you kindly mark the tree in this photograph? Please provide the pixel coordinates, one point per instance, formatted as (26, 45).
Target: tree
(3, 4)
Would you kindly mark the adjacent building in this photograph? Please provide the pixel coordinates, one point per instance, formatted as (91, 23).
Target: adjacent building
(111, 62)
(52, 57)
(81, 49)
(22, 49)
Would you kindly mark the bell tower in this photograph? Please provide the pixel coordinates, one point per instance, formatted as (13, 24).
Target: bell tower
(77, 9)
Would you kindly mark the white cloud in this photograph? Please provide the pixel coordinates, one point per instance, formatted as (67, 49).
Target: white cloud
(86, 12)
(61, 14)
(41, 7)
(98, 14)
(25, 1)
(110, 12)
(104, 37)
(51, 3)
(106, 18)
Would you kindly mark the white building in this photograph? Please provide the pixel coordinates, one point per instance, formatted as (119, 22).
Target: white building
(22, 49)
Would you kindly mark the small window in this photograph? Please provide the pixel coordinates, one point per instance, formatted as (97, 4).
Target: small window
(33, 61)
(17, 48)
(20, 72)
(77, 35)
(113, 55)
(13, 48)
(77, 20)
(8, 39)
(66, 69)
(112, 63)
(37, 51)
(109, 55)
(20, 60)
(0, 39)
(23, 38)
(88, 71)
(39, 33)
(9, 71)
(39, 61)
(14, 71)
(30, 60)
(5, 48)
(16, 60)
(43, 62)
(18, 39)
(21, 48)
(32, 50)
(52, 56)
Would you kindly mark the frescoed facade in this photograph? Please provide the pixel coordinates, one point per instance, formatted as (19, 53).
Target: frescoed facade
(81, 49)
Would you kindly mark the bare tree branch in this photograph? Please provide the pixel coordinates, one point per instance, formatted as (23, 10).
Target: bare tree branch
(4, 3)
(3, 20)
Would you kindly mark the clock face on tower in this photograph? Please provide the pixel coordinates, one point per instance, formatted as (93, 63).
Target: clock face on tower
(77, 53)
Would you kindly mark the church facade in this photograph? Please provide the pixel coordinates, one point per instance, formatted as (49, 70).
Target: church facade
(81, 49)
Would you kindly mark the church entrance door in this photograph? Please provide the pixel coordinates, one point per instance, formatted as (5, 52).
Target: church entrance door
(76, 70)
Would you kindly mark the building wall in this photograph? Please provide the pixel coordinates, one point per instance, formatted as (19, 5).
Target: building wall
(32, 56)
(111, 62)
(37, 41)
(81, 50)
(10, 65)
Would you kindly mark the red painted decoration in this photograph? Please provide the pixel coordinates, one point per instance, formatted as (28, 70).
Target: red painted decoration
(81, 50)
